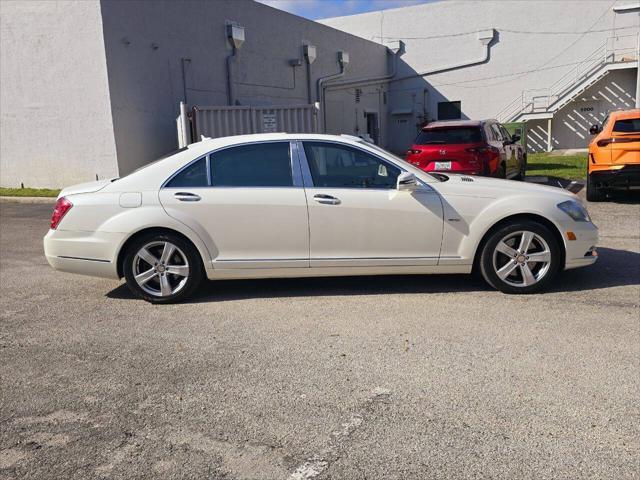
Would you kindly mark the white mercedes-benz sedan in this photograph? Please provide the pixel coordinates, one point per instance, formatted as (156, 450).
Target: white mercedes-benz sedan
(299, 205)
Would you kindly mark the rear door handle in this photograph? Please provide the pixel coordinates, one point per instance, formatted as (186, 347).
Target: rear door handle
(187, 197)
(326, 199)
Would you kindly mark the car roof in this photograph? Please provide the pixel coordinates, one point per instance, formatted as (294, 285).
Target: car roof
(457, 123)
(625, 114)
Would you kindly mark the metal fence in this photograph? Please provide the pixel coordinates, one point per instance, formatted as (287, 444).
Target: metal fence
(224, 121)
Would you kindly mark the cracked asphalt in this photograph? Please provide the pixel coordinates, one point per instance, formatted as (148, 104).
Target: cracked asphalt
(405, 377)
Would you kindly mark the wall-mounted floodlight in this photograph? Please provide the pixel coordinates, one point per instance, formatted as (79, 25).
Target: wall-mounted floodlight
(309, 52)
(343, 58)
(235, 35)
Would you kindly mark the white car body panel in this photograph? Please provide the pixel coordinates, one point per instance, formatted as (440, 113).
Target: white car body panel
(283, 232)
(363, 230)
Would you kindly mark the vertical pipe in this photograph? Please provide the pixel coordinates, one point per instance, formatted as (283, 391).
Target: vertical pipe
(184, 126)
(638, 74)
(549, 135)
(230, 59)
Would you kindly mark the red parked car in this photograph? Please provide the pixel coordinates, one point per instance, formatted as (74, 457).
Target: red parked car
(472, 147)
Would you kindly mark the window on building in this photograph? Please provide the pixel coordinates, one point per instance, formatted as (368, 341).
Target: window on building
(449, 110)
(629, 125)
(195, 175)
(339, 166)
(256, 165)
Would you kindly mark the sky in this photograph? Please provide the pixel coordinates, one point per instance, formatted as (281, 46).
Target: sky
(315, 9)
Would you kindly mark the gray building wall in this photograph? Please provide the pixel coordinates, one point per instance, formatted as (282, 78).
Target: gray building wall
(443, 33)
(92, 88)
(55, 119)
(146, 43)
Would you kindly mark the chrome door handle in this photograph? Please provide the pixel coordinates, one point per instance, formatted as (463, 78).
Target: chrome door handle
(187, 197)
(326, 199)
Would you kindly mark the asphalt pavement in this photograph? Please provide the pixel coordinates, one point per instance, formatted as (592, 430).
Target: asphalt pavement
(410, 377)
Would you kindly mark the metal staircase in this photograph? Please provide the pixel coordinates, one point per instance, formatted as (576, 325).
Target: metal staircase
(543, 103)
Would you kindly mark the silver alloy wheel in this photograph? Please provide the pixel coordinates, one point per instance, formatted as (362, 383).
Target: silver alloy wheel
(161, 269)
(522, 258)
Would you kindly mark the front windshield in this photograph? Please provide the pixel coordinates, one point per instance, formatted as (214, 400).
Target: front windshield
(406, 165)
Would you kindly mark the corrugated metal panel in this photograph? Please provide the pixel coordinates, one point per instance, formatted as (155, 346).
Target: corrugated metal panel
(224, 121)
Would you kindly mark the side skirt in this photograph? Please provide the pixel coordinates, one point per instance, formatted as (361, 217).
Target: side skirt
(246, 273)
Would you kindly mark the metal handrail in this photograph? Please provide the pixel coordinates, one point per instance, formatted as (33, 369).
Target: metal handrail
(526, 102)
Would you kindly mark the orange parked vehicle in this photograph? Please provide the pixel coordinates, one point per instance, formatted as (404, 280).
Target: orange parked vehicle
(614, 155)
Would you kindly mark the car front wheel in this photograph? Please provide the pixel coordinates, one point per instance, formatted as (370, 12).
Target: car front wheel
(162, 268)
(522, 257)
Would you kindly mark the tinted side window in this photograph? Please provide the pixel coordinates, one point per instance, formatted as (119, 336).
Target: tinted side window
(195, 175)
(256, 165)
(629, 125)
(340, 166)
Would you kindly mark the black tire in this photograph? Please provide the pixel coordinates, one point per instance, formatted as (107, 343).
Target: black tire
(523, 169)
(184, 248)
(488, 270)
(502, 171)
(594, 194)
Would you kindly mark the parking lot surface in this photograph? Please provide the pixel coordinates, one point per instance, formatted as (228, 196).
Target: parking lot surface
(425, 377)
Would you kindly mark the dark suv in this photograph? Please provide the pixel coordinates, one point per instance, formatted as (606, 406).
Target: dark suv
(472, 147)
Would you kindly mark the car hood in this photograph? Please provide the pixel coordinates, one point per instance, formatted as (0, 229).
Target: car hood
(88, 187)
(498, 188)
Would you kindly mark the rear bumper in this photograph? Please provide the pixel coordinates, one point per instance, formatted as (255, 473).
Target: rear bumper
(85, 253)
(625, 177)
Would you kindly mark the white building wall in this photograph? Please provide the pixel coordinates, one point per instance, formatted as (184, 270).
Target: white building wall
(444, 33)
(55, 120)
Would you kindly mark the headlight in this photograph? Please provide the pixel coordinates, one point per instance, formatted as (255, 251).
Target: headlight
(575, 210)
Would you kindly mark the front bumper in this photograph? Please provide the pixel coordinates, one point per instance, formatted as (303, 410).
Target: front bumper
(581, 252)
(85, 253)
(625, 177)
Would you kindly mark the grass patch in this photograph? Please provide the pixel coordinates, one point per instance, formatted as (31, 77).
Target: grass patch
(28, 192)
(571, 167)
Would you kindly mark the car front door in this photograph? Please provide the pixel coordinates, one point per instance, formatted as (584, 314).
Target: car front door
(249, 199)
(358, 217)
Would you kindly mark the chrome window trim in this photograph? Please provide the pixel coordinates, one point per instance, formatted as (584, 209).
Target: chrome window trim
(208, 162)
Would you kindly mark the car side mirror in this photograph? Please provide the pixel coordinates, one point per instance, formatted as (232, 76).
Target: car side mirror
(407, 181)
(594, 130)
(515, 138)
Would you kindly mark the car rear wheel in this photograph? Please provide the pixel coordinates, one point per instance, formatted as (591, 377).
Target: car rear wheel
(522, 257)
(594, 194)
(162, 268)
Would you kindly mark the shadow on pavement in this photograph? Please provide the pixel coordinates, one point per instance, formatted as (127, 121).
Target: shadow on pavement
(614, 268)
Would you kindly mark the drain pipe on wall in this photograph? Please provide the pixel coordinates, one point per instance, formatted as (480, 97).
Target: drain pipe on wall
(486, 38)
(235, 36)
(343, 60)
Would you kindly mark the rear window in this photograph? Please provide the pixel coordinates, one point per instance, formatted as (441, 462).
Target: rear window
(629, 125)
(449, 135)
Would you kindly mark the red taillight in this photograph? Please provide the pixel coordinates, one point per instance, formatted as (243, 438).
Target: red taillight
(484, 150)
(59, 211)
(605, 141)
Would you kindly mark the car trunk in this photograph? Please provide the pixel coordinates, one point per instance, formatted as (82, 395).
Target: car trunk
(448, 148)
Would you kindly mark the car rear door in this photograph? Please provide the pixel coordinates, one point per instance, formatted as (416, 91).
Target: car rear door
(249, 199)
(357, 217)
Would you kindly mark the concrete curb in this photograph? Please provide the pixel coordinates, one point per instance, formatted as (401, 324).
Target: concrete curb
(43, 200)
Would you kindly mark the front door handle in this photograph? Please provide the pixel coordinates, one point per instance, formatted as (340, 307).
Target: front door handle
(326, 199)
(187, 197)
